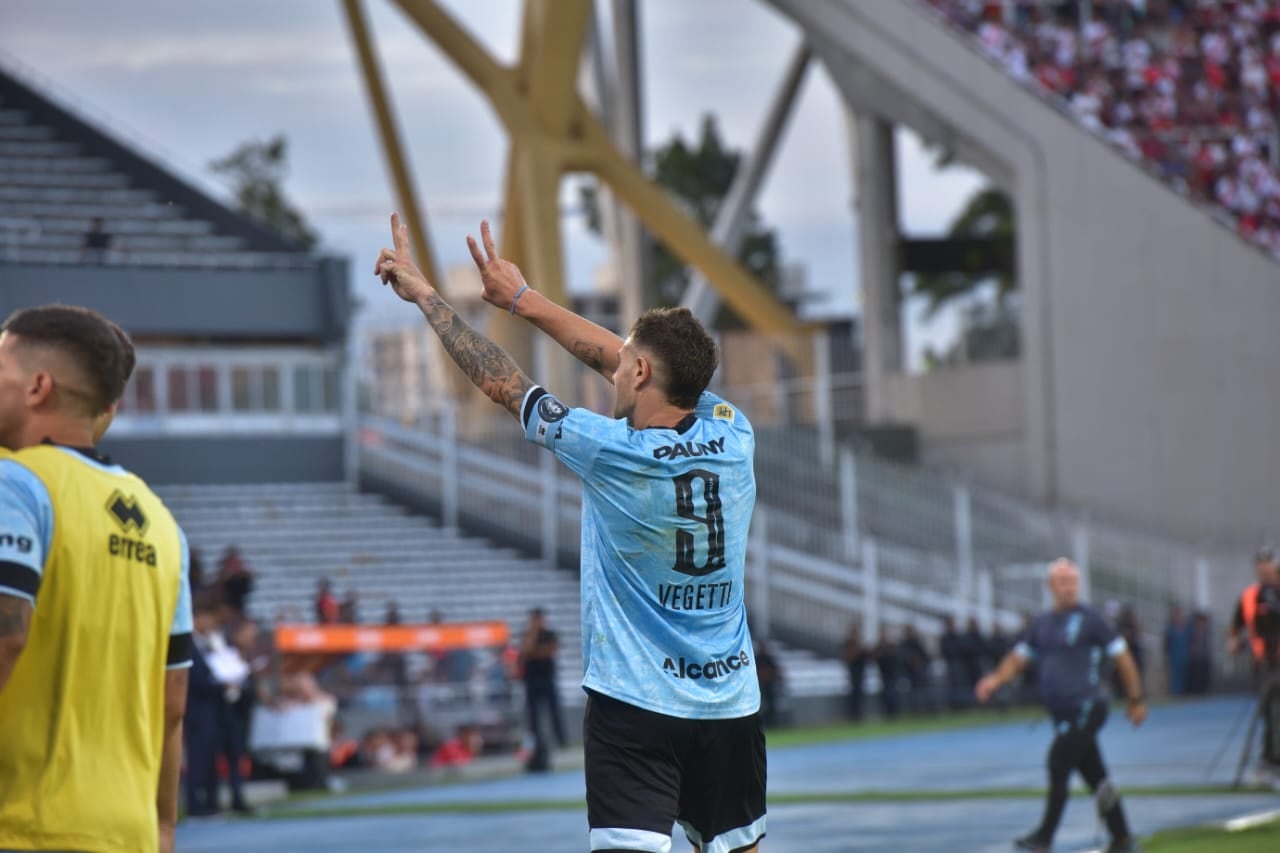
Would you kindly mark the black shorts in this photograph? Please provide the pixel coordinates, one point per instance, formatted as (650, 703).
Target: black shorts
(646, 771)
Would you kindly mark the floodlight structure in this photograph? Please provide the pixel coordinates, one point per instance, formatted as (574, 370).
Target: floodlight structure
(553, 132)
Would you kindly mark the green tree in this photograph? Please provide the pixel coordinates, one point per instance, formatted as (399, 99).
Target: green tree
(987, 216)
(699, 176)
(257, 171)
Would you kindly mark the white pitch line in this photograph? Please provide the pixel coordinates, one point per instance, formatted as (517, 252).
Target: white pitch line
(1237, 824)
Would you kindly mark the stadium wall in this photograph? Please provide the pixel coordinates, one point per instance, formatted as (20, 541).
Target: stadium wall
(1149, 396)
(291, 304)
(182, 460)
(985, 440)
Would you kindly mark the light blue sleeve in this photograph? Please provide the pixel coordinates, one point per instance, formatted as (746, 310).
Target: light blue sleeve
(576, 436)
(179, 655)
(26, 530)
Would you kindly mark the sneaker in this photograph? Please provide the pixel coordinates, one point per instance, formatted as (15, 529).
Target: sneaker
(1122, 845)
(1032, 842)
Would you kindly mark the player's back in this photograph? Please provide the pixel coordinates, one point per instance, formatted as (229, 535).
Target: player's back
(666, 513)
(83, 713)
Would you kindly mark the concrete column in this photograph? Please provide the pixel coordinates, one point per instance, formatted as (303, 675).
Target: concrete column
(964, 554)
(870, 592)
(626, 119)
(875, 185)
(849, 522)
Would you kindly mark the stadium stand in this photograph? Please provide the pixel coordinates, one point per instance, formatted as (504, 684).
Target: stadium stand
(1192, 89)
(59, 174)
(241, 334)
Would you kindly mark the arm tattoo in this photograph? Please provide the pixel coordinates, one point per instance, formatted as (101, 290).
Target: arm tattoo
(589, 354)
(486, 364)
(15, 614)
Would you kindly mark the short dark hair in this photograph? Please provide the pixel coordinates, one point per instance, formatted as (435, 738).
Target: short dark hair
(130, 357)
(100, 349)
(687, 353)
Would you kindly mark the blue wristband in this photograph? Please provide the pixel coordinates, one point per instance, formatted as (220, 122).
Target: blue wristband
(519, 293)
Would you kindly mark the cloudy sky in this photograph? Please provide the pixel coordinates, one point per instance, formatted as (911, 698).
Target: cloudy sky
(188, 81)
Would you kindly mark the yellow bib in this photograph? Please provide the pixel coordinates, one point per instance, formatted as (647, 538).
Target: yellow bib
(82, 717)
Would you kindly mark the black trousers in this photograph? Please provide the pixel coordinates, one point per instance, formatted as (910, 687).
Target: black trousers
(1075, 748)
(542, 704)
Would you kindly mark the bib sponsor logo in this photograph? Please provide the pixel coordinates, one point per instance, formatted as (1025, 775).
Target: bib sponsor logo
(131, 549)
(124, 510)
(711, 669)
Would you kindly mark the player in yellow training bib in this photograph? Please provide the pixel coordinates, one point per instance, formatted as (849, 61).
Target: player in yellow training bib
(95, 610)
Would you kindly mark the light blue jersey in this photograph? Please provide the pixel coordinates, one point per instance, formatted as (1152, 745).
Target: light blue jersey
(665, 515)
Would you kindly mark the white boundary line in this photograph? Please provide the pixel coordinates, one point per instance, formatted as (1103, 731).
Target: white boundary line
(1237, 824)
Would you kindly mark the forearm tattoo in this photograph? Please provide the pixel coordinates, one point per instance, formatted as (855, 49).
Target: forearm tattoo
(589, 354)
(486, 364)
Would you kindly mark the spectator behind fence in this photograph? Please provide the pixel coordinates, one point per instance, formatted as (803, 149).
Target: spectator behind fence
(348, 610)
(95, 244)
(196, 575)
(915, 663)
(1127, 626)
(1177, 649)
(326, 605)
(975, 651)
(770, 675)
(245, 640)
(538, 649)
(856, 657)
(951, 648)
(889, 665)
(459, 750)
(235, 581)
(1199, 655)
(213, 725)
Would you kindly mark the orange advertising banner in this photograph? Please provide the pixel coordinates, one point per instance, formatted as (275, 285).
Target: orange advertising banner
(343, 639)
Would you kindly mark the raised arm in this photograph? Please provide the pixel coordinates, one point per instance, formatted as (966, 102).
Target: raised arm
(505, 287)
(486, 364)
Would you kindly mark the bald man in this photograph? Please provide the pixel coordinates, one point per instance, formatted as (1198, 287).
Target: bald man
(1069, 643)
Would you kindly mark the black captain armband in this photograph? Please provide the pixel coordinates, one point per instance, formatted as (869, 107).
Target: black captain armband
(526, 412)
(19, 578)
(179, 650)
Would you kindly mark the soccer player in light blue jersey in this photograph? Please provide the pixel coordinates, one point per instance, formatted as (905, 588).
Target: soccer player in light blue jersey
(672, 728)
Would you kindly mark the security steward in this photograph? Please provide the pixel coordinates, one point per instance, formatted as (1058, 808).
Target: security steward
(1256, 627)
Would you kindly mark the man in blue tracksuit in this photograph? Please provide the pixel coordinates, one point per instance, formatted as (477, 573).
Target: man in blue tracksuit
(1068, 643)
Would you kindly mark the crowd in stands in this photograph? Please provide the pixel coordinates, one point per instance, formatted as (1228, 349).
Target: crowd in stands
(1190, 87)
